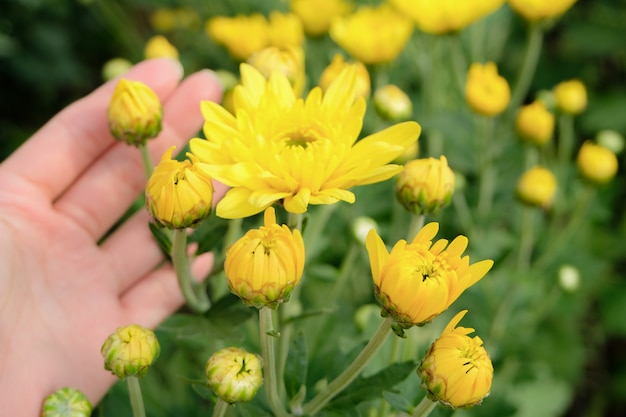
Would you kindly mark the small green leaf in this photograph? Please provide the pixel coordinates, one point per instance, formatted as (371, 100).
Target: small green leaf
(398, 402)
(163, 239)
(296, 365)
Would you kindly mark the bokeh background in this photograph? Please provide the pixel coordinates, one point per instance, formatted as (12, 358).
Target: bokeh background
(556, 352)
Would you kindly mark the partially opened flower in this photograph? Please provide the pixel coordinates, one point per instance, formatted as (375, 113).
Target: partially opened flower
(425, 185)
(179, 194)
(336, 67)
(487, 93)
(240, 35)
(130, 350)
(445, 16)
(280, 148)
(417, 281)
(372, 35)
(535, 10)
(456, 369)
(266, 264)
(234, 374)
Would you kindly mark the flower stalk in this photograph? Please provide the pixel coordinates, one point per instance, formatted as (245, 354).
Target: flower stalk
(529, 65)
(194, 296)
(147, 159)
(424, 407)
(352, 371)
(220, 408)
(136, 399)
(269, 361)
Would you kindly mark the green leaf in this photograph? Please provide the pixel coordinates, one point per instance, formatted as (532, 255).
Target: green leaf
(163, 239)
(398, 401)
(209, 234)
(296, 365)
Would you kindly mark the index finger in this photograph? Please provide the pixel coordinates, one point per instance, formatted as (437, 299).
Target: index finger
(65, 146)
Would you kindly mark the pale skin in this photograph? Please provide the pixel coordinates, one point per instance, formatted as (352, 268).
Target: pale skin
(62, 291)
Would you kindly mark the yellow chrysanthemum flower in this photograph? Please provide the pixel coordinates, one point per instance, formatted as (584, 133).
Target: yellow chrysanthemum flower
(445, 16)
(456, 369)
(159, 47)
(487, 93)
(425, 185)
(317, 15)
(336, 67)
(288, 61)
(571, 96)
(297, 151)
(240, 35)
(417, 281)
(596, 163)
(266, 264)
(372, 35)
(179, 194)
(533, 10)
(535, 123)
(285, 30)
(537, 187)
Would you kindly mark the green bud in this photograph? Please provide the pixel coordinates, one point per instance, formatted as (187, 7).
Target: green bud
(234, 374)
(66, 402)
(130, 350)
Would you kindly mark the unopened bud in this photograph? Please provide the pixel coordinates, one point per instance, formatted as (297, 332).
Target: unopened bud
(234, 374)
(392, 103)
(66, 402)
(611, 139)
(569, 278)
(130, 350)
(361, 227)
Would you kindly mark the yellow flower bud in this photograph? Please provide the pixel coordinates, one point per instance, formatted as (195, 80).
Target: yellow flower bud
(317, 15)
(159, 47)
(486, 92)
(456, 370)
(240, 35)
(537, 187)
(571, 96)
(285, 30)
(135, 113)
(425, 185)
(535, 124)
(338, 64)
(596, 163)
(179, 194)
(66, 402)
(392, 103)
(288, 61)
(266, 264)
(163, 20)
(234, 374)
(417, 281)
(534, 10)
(130, 350)
(114, 67)
(372, 34)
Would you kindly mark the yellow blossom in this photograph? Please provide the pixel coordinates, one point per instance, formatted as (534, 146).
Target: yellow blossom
(285, 30)
(445, 16)
(317, 15)
(571, 96)
(266, 264)
(159, 47)
(534, 123)
(372, 35)
(534, 10)
(596, 163)
(234, 374)
(487, 93)
(130, 350)
(336, 67)
(456, 369)
(537, 187)
(425, 185)
(179, 194)
(241, 35)
(288, 61)
(417, 281)
(134, 113)
(392, 103)
(280, 148)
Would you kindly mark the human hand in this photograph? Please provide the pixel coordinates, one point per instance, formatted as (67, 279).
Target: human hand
(62, 290)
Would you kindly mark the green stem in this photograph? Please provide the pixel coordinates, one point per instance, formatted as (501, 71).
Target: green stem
(136, 399)
(346, 267)
(424, 407)
(464, 213)
(220, 408)
(529, 65)
(417, 222)
(147, 160)
(487, 170)
(294, 221)
(565, 146)
(352, 371)
(267, 336)
(195, 297)
(526, 238)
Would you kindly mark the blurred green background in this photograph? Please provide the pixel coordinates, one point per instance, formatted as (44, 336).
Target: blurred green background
(554, 356)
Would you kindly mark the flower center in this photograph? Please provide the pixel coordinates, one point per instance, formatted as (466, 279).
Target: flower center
(302, 137)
